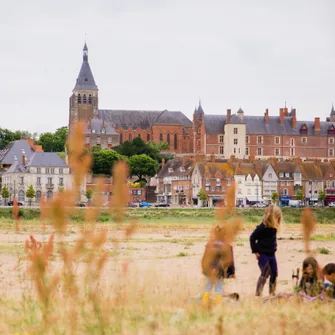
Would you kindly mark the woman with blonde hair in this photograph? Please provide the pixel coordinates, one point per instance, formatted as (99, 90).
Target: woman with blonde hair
(263, 242)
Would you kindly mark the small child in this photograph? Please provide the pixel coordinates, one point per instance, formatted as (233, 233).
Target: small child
(217, 264)
(329, 273)
(310, 282)
(263, 243)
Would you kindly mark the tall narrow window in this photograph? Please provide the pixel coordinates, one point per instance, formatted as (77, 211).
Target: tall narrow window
(79, 99)
(90, 99)
(130, 137)
(175, 141)
(168, 139)
(259, 151)
(84, 99)
(221, 150)
(121, 138)
(148, 137)
(161, 137)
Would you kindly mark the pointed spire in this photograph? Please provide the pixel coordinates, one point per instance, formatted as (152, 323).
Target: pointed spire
(85, 79)
(333, 110)
(195, 110)
(85, 53)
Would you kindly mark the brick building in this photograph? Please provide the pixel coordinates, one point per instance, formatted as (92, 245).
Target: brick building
(109, 127)
(245, 136)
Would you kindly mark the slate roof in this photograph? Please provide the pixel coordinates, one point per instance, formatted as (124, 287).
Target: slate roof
(85, 80)
(143, 119)
(97, 126)
(14, 149)
(46, 159)
(286, 167)
(214, 124)
(16, 167)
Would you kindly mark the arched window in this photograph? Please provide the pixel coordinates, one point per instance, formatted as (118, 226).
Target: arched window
(121, 138)
(90, 99)
(84, 99)
(49, 195)
(168, 139)
(79, 99)
(175, 141)
(38, 196)
(285, 191)
(130, 137)
(21, 196)
(148, 137)
(161, 137)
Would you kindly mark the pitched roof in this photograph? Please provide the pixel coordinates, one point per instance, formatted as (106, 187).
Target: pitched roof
(212, 168)
(16, 167)
(311, 171)
(175, 165)
(286, 167)
(214, 124)
(46, 159)
(143, 119)
(85, 80)
(14, 149)
(97, 125)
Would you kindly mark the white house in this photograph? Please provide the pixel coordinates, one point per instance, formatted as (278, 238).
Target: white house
(270, 182)
(45, 171)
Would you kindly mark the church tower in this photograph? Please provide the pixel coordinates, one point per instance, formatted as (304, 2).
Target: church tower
(84, 98)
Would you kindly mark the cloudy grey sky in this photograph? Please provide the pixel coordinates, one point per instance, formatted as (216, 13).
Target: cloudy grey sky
(165, 54)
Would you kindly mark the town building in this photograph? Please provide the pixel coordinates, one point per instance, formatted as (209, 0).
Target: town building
(45, 171)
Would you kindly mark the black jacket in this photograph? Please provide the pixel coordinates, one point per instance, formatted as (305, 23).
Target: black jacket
(219, 258)
(263, 240)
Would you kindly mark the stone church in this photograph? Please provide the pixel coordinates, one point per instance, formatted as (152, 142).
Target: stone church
(110, 127)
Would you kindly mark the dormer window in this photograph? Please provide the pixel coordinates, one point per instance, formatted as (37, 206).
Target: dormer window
(170, 170)
(103, 130)
(281, 175)
(303, 130)
(331, 130)
(287, 175)
(182, 169)
(93, 131)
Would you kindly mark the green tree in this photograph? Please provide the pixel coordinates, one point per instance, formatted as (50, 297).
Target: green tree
(202, 195)
(5, 193)
(7, 136)
(103, 161)
(54, 142)
(89, 194)
(299, 195)
(30, 194)
(275, 197)
(143, 166)
(62, 155)
(322, 196)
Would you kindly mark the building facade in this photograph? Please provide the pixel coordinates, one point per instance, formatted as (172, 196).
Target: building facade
(246, 136)
(45, 171)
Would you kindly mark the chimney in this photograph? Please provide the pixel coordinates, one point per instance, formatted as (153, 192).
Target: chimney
(103, 123)
(281, 115)
(285, 111)
(294, 119)
(266, 116)
(228, 116)
(163, 162)
(23, 160)
(317, 125)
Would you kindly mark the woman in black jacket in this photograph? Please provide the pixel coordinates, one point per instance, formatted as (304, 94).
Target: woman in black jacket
(263, 242)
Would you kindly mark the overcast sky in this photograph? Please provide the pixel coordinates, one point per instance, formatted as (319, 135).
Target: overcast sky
(165, 54)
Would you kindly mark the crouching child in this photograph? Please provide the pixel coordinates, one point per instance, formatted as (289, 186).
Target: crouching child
(329, 274)
(217, 264)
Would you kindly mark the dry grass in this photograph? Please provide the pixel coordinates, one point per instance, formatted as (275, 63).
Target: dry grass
(83, 279)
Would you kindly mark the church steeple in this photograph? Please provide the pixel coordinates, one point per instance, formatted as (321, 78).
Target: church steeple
(85, 80)
(84, 99)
